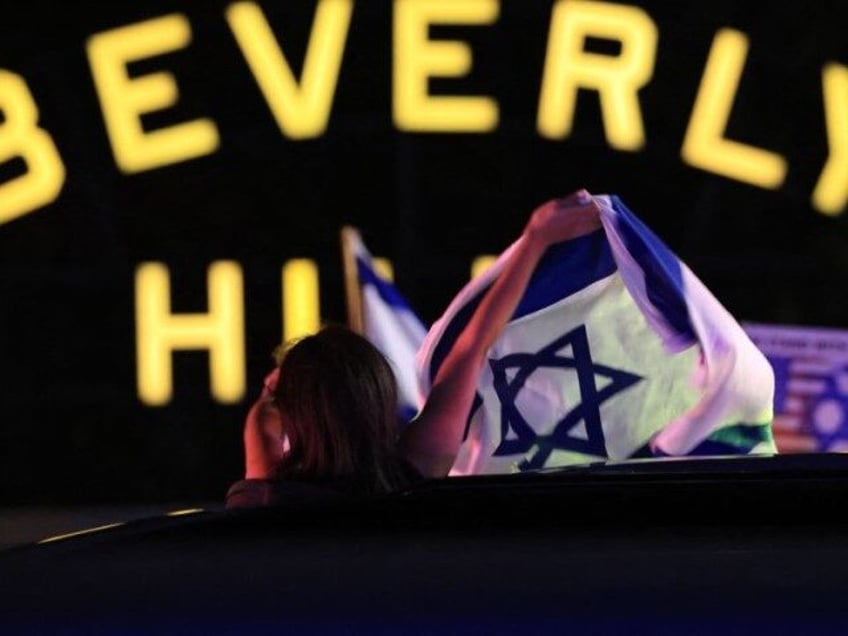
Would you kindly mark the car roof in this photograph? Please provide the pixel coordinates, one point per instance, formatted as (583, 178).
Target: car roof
(759, 539)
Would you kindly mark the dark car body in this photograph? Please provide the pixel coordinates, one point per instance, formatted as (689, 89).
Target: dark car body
(696, 546)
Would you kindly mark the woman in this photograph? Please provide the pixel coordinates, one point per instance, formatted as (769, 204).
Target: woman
(326, 419)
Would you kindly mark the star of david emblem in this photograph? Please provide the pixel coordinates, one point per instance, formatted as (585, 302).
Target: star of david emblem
(510, 375)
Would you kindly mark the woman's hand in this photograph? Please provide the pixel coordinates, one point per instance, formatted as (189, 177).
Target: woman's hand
(269, 385)
(562, 219)
(264, 441)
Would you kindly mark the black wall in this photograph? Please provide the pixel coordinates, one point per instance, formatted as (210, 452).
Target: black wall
(72, 427)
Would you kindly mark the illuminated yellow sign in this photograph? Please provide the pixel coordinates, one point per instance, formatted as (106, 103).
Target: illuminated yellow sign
(417, 59)
(617, 79)
(21, 137)
(481, 263)
(831, 193)
(159, 332)
(124, 100)
(220, 331)
(301, 106)
(301, 305)
(705, 145)
(301, 109)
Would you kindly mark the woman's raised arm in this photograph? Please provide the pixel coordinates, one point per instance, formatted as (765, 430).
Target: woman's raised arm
(432, 440)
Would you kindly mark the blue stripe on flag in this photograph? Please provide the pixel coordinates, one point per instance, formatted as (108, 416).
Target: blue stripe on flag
(663, 276)
(565, 269)
(387, 291)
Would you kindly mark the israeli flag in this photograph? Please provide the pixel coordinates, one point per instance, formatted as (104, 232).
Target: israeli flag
(390, 324)
(615, 351)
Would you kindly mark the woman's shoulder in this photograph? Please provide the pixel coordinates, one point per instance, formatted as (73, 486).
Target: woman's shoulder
(253, 493)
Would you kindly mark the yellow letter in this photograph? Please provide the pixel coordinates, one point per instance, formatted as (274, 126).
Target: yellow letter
(159, 332)
(481, 263)
(20, 137)
(831, 193)
(416, 59)
(568, 67)
(704, 145)
(124, 99)
(384, 268)
(301, 303)
(300, 109)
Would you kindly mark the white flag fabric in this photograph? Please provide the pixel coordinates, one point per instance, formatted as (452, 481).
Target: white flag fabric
(615, 351)
(391, 325)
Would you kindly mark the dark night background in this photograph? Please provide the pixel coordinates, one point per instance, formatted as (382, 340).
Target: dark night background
(72, 428)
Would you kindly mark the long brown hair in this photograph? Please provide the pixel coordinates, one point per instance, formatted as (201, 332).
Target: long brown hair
(338, 399)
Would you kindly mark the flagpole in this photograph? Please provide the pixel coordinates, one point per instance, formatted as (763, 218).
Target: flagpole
(353, 293)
